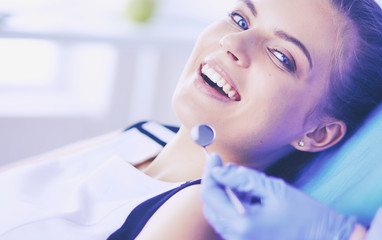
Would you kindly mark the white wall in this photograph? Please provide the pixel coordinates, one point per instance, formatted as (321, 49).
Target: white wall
(23, 136)
(149, 60)
(145, 75)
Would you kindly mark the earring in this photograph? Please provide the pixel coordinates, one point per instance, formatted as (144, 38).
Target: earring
(301, 143)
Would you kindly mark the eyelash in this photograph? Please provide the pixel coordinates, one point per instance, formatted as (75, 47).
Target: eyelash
(290, 65)
(241, 22)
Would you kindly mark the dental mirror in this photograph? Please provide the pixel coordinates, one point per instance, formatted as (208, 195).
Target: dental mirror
(203, 135)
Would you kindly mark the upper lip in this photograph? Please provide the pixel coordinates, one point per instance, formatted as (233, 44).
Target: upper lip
(220, 70)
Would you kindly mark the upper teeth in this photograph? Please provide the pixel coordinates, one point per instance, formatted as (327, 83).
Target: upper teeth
(218, 79)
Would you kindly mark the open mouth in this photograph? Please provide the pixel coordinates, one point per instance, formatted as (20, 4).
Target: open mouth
(216, 81)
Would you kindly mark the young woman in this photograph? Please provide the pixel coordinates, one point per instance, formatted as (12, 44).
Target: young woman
(273, 77)
(301, 75)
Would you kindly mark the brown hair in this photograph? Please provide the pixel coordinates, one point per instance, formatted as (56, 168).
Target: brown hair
(355, 87)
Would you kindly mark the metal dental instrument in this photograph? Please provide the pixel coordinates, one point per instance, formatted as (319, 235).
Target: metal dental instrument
(204, 135)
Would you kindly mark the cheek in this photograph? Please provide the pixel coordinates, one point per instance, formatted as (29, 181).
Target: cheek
(183, 100)
(275, 115)
(182, 103)
(206, 43)
(209, 39)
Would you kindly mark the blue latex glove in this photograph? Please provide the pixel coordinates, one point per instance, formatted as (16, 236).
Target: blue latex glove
(375, 231)
(284, 212)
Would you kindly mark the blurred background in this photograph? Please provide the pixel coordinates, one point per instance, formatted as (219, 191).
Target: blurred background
(74, 69)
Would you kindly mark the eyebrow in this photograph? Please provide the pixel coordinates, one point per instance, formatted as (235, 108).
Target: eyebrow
(282, 34)
(250, 6)
(287, 37)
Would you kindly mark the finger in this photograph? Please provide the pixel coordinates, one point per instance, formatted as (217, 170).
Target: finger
(212, 193)
(216, 220)
(243, 180)
(210, 215)
(217, 203)
(209, 185)
(214, 160)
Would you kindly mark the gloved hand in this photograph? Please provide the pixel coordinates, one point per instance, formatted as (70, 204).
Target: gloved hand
(375, 231)
(283, 213)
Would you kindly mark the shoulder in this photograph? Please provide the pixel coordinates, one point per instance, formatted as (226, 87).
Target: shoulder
(181, 217)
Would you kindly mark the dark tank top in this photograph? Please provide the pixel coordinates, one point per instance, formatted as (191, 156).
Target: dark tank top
(138, 218)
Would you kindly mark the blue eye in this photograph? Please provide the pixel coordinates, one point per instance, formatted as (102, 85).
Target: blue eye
(239, 20)
(289, 64)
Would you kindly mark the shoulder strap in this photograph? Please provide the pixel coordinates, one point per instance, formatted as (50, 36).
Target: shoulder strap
(160, 133)
(138, 218)
(142, 141)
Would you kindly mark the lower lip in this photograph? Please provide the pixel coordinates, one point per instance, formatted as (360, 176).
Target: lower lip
(206, 89)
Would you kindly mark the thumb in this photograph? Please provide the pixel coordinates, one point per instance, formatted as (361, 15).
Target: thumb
(214, 160)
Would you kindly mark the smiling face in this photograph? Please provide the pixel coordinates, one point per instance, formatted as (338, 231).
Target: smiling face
(257, 75)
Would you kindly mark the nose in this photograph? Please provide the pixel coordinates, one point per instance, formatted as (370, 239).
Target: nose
(238, 46)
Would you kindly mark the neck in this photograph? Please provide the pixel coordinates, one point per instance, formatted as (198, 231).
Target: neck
(183, 160)
(180, 160)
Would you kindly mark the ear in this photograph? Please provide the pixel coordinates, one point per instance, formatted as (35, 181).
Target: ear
(322, 137)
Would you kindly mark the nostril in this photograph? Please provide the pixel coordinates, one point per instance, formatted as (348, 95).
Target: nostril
(233, 56)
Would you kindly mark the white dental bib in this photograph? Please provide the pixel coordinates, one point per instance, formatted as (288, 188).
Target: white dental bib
(83, 195)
